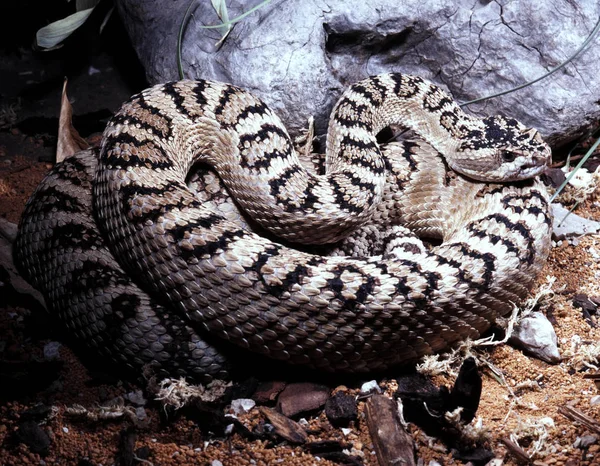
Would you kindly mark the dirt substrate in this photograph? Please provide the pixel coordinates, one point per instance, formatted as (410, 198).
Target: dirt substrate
(521, 400)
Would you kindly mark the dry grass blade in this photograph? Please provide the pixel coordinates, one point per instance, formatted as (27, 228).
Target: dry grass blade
(53, 34)
(69, 140)
(226, 24)
(577, 167)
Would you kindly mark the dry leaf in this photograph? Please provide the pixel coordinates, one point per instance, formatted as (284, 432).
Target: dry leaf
(69, 140)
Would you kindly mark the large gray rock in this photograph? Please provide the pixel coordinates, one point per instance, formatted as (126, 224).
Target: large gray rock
(298, 55)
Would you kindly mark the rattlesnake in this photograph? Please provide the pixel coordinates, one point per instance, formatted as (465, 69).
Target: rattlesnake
(375, 297)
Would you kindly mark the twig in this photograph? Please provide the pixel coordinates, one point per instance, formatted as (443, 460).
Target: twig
(578, 416)
(514, 449)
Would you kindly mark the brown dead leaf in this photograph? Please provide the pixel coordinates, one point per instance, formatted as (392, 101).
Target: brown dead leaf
(69, 140)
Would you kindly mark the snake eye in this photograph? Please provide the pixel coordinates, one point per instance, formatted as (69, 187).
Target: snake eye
(508, 156)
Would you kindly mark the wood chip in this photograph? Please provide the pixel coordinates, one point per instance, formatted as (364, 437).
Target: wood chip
(515, 450)
(578, 416)
(393, 445)
(285, 427)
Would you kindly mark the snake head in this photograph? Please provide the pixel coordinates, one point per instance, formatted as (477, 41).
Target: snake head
(502, 149)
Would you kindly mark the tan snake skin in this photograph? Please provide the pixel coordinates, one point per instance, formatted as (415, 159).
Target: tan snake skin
(390, 300)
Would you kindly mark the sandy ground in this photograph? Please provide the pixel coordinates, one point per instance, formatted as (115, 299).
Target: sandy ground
(521, 400)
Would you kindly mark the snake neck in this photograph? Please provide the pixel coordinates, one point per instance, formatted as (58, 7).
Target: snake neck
(396, 99)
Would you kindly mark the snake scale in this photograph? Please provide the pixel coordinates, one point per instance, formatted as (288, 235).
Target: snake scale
(144, 269)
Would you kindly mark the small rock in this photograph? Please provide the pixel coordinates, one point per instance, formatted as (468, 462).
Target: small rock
(299, 398)
(242, 405)
(216, 463)
(588, 440)
(553, 177)
(535, 335)
(268, 391)
(569, 224)
(587, 306)
(595, 400)
(370, 387)
(143, 453)
(340, 409)
(585, 441)
(136, 398)
(140, 414)
(51, 352)
(32, 435)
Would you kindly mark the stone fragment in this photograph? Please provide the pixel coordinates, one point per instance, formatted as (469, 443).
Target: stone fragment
(341, 409)
(553, 177)
(585, 441)
(136, 397)
(569, 225)
(32, 435)
(299, 398)
(588, 307)
(535, 335)
(267, 392)
(370, 387)
(242, 405)
(51, 352)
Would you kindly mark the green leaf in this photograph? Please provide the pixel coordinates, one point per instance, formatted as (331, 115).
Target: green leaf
(85, 4)
(53, 34)
(238, 18)
(221, 9)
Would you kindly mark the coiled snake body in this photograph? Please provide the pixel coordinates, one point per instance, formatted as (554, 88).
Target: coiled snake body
(379, 298)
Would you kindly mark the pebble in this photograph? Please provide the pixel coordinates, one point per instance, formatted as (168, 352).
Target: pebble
(242, 405)
(370, 387)
(140, 414)
(595, 400)
(585, 441)
(299, 398)
(268, 391)
(32, 435)
(341, 409)
(571, 225)
(536, 336)
(136, 397)
(51, 352)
